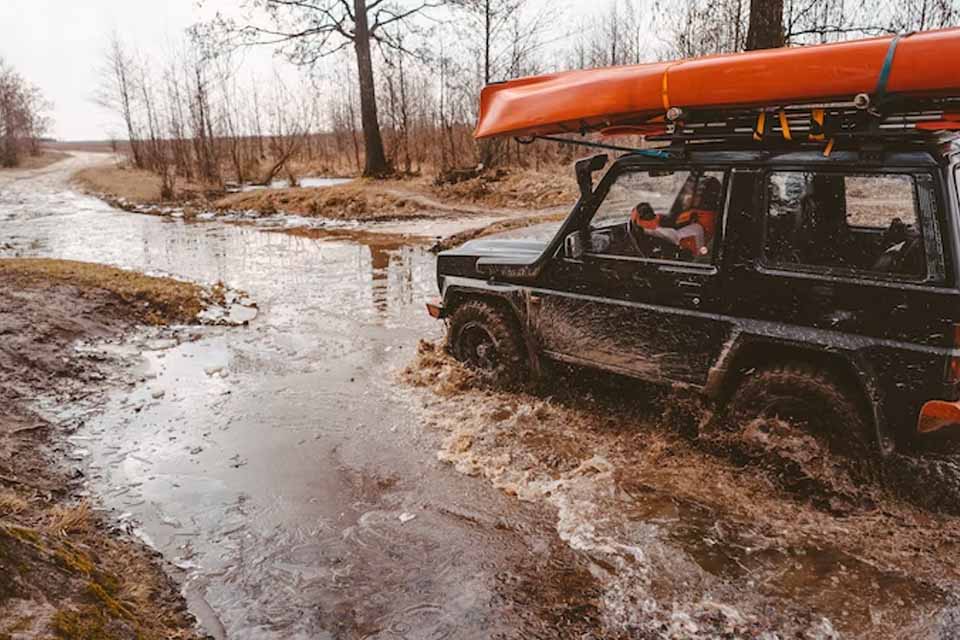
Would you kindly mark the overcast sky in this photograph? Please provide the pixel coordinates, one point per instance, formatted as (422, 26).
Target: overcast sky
(58, 45)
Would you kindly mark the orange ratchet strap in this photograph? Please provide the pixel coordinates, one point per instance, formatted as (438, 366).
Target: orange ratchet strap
(785, 126)
(761, 126)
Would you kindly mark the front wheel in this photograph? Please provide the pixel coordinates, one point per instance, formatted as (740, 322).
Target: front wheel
(489, 341)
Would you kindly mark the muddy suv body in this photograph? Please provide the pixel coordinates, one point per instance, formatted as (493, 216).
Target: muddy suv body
(842, 267)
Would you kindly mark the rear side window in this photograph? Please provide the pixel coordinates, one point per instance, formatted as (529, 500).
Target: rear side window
(868, 223)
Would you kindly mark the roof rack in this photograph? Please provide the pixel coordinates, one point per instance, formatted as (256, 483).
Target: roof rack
(897, 121)
(818, 122)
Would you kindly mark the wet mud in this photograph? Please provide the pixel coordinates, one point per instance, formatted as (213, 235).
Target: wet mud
(63, 573)
(689, 540)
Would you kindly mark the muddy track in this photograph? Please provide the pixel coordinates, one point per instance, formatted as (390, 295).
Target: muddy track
(303, 490)
(279, 466)
(715, 535)
(64, 570)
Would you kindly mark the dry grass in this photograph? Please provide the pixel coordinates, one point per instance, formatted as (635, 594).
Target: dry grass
(358, 200)
(11, 503)
(135, 186)
(45, 159)
(157, 300)
(69, 519)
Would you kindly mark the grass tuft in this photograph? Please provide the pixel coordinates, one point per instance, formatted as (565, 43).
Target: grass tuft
(68, 519)
(11, 504)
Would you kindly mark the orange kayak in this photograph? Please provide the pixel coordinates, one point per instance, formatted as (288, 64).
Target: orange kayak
(925, 64)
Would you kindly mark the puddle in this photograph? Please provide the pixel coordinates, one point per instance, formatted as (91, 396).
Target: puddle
(310, 182)
(284, 471)
(272, 462)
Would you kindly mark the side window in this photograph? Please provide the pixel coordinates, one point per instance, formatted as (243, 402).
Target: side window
(668, 215)
(864, 222)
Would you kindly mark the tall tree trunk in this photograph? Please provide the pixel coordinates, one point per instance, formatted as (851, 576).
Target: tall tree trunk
(487, 27)
(376, 160)
(487, 149)
(766, 25)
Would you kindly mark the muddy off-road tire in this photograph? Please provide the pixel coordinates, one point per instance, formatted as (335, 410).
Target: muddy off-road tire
(806, 396)
(489, 340)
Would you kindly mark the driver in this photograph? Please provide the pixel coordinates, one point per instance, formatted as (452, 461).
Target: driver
(691, 223)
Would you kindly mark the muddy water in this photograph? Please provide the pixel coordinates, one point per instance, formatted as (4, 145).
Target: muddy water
(296, 484)
(277, 464)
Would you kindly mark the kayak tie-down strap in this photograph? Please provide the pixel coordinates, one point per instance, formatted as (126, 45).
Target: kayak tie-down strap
(881, 91)
(785, 125)
(760, 128)
(665, 90)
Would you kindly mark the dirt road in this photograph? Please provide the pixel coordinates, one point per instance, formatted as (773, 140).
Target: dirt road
(308, 490)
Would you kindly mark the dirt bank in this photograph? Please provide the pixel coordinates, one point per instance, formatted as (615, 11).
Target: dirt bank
(367, 200)
(690, 544)
(128, 188)
(514, 189)
(502, 192)
(488, 193)
(64, 572)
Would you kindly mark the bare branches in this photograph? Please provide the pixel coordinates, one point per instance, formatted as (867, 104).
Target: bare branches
(22, 117)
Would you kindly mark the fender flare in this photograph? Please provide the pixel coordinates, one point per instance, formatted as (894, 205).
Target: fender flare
(740, 352)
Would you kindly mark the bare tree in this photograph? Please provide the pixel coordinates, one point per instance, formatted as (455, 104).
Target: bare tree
(307, 30)
(22, 117)
(504, 34)
(118, 93)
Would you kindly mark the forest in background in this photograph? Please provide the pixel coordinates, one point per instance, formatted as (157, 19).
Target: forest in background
(391, 87)
(24, 118)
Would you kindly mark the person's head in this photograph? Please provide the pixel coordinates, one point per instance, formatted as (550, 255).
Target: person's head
(643, 216)
(707, 194)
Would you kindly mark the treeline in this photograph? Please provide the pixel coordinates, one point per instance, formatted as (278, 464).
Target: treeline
(392, 87)
(23, 118)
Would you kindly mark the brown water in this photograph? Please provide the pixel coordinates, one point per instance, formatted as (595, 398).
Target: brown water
(288, 474)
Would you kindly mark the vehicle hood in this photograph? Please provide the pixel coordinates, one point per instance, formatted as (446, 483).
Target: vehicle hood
(489, 248)
(493, 258)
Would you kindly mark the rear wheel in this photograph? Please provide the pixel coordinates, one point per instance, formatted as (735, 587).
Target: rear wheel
(806, 397)
(488, 340)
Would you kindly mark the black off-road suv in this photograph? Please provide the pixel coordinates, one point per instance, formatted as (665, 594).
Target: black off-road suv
(778, 279)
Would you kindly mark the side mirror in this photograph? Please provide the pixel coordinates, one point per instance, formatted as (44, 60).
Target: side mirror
(585, 169)
(573, 246)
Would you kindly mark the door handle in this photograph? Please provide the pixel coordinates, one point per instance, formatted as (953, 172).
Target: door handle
(689, 284)
(841, 318)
